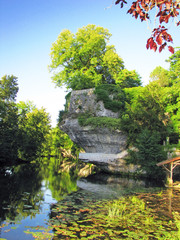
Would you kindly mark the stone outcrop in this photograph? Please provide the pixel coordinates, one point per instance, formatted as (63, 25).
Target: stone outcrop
(112, 163)
(99, 140)
(84, 101)
(102, 146)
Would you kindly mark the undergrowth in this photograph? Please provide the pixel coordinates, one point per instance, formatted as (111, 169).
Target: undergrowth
(99, 122)
(112, 96)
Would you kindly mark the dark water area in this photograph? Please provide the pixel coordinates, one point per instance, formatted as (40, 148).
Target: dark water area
(29, 192)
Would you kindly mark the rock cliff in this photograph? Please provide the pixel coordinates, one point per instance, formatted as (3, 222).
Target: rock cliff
(102, 146)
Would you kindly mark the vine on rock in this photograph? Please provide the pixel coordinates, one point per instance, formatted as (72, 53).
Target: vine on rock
(166, 10)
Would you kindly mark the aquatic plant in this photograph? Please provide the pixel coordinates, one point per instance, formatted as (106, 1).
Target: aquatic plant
(124, 218)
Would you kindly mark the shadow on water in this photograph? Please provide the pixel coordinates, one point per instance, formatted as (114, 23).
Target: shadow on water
(33, 194)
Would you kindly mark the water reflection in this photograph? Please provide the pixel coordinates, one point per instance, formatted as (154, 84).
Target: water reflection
(109, 186)
(27, 192)
(60, 184)
(20, 192)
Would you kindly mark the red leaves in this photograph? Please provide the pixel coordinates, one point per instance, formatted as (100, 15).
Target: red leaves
(151, 44)
(171, 49)
(163, 16)
(159, 37)
(118, 1)
(122, 2)
(137, 11)
(162, 46)
(167, 9)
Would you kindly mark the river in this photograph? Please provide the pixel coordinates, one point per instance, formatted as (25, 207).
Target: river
(29, 192)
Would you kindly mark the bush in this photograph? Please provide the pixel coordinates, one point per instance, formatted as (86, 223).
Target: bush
(99, 122)
(112, 96)
(149, 153)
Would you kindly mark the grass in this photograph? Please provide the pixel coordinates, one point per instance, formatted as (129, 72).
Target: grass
(99, 122)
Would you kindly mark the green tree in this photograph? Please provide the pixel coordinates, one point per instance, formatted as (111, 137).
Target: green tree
(34, 127)
(128, 79)
(167, 85)
(59, 140)
(174, 61)
(8, 119)
(144, 109)
(172, 96)
(149, 153)
(84, 60)
(161, 76)
(8, 88)
(155, 106)
(171, 100)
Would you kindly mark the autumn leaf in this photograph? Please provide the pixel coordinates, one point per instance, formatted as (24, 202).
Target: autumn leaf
(149, 43)
(154, 46)
(118, 1)
(171, 49)
(162, 47)
(166, 10)
(159, 39)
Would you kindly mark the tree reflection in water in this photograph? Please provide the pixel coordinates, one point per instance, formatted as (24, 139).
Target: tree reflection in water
(24, 189)
(20, 192)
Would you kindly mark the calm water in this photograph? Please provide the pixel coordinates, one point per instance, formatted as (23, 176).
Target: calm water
(28, 193)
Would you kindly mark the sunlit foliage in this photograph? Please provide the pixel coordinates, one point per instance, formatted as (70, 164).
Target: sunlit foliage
(85, 59)
(8, 118)
(34, 127)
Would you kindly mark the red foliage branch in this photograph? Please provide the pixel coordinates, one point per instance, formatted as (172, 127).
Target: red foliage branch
(166, 9)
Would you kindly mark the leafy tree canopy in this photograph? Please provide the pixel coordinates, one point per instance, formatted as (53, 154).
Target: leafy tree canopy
(25, 107)
(128, 79)
(149, 153)
(174, 61)
(34, 127)
(84, 60)
(8, 118)
(8, 88)
(161, 76)
(169, 96)
(155, 106)
(23, 127)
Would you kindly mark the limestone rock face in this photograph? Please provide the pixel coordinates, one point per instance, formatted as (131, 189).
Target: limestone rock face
(84, 101)
(101, 140)
(112, 163)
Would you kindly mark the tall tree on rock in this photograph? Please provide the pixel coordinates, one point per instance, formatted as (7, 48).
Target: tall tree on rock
(84, 60)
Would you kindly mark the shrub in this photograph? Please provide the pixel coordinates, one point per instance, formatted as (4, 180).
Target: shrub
(149, 153)
(97, 122)
(112, 96)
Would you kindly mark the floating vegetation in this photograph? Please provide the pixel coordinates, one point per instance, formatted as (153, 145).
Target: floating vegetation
(154, 215)
(80, 217)
(40, 232)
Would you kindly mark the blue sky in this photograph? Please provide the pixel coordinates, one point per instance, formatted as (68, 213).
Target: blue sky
(29, 27)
